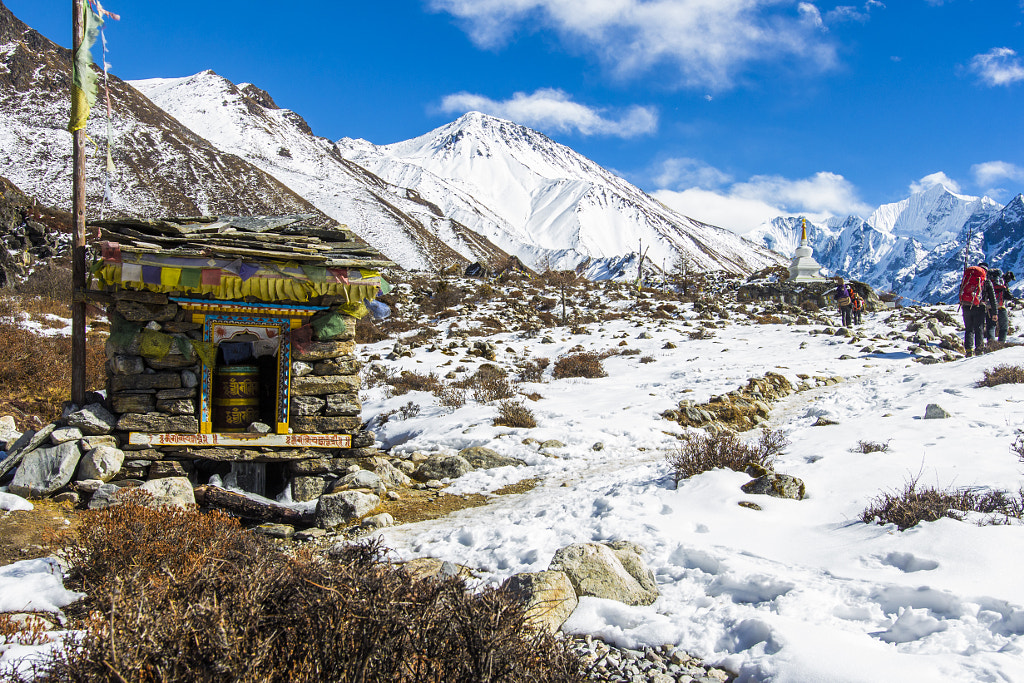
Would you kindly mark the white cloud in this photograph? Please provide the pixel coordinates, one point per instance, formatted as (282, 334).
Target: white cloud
(552, 109)
(992, 172)
(743, 206)
(933, 179)
(689, 42)
(685, 172)
(734, 213)
(811, 14)
(998, 66)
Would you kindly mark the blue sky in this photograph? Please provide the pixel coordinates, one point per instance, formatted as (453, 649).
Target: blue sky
(729, 110)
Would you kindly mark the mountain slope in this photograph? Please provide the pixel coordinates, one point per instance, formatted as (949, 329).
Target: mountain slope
(548, 204)
(914, 247)
(245, 121)
(162, 167)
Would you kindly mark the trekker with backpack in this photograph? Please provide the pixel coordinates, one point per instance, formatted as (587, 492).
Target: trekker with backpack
(858, 306)
(1000, 283)
(977, 298)
(844, 300)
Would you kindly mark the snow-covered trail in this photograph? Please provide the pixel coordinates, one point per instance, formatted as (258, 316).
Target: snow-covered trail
(796, 591)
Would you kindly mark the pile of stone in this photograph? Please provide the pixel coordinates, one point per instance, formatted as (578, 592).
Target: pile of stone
(739, 410)
(79, 456)
(665, 664)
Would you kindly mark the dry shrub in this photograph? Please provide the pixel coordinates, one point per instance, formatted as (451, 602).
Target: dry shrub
(489, 383)
(369, 331)
(442, 295)
(1002, 374)
(1018, 445)
(35, 371)
(914, 504)
(235, 607)
(50, 281)
(871, 447)
(413, 381)
(514, 414)
(703, 453)
(29, 630)
(586, 364)
(450, 396)
(376, 375)
(533, 370)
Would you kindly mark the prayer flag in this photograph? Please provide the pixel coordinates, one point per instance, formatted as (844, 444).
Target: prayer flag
(151, 275)
(246, 271)
(131, 272)
(211, 276)
(84, 79)
(191, 278)
(170, 276)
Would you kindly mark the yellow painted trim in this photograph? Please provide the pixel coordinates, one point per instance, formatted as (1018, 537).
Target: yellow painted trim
(206, 428)
(199, 318)
(282, 427)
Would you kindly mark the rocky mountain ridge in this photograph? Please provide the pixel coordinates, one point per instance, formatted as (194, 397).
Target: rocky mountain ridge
(915, 247)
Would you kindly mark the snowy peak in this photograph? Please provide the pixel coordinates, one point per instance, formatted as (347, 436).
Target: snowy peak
(544, 202)
(931, 217)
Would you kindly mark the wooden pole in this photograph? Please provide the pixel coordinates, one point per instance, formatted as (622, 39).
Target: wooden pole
(78, 215)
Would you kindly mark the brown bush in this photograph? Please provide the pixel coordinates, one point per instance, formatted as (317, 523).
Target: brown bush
(35, 371)
(533, 370)
(50, 281)
(914, 504)
(450, 396)
(1002, 374)
(489, 383)
(703, 453)
(514, 414)
(413, 381)
(234, 607)
(872, 447)
(586, 364)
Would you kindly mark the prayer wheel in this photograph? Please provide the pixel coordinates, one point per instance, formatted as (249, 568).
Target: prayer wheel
(236, 397)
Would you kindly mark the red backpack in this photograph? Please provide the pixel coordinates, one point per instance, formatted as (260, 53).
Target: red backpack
(971, 286)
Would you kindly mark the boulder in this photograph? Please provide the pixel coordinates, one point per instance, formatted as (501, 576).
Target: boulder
(485, 458)
(548, 596)
(333, 509)
(442, 467)
(306, 488)
(935, 412)
(106, 495)
(63, 434)
(378, 521)
(170, 491)
(360, 479)
(102, 463)
(392, 477)
(631, 556)
(93, 420)
(777, 485)
(595, 570)
(45, 470)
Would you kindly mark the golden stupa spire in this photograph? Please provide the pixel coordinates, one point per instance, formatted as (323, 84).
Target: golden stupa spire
(803, 234)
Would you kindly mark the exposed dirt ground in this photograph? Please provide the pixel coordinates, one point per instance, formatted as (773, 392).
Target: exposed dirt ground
(31, 534)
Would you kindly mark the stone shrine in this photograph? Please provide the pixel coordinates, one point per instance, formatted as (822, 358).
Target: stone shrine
(804, 268)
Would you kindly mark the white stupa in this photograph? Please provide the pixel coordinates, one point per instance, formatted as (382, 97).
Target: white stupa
(804, 268)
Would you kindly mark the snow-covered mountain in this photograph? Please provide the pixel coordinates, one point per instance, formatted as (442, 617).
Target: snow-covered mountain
(545, 202)
(914, 247)
(162, 168)
(244, 120)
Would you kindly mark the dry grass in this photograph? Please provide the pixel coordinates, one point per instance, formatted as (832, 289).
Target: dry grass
(175, 595)
(514, 414)
(1002, 374)
(914, 504)
(35, 372)
(586, 364)
(871, 447)
(703, 453)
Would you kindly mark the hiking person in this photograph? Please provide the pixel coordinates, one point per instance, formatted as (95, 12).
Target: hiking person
(858, 306)
(1000, 283)
(977, 298)
(844, 300)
